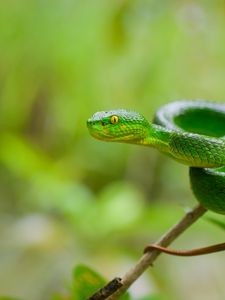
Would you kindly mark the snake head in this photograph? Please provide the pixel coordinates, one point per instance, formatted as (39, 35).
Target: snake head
(118, 125)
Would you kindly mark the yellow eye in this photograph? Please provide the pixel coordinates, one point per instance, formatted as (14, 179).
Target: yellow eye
(114, 119)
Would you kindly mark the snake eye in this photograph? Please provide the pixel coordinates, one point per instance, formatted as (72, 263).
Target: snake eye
(114, 119)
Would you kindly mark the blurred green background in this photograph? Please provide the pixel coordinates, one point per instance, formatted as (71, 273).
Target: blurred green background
(66, 198)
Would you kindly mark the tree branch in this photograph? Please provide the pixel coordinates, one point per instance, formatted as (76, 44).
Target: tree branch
(107, 290)
(148, 258)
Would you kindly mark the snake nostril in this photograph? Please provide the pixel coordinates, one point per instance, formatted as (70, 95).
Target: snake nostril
(90, 122)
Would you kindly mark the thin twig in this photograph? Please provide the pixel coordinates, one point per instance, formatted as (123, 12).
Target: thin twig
(110, 288)
(148, 258)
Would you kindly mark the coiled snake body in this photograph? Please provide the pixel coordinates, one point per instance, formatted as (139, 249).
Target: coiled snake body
(191, 132)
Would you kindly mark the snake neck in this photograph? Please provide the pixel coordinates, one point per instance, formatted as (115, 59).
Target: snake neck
(157, 137)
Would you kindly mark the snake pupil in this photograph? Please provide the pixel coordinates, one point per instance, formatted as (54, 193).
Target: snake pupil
(114, 119)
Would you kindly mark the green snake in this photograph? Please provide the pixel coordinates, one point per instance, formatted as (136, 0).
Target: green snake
(191, 132)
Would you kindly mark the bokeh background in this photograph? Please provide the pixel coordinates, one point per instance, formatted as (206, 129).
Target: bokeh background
(66, 198)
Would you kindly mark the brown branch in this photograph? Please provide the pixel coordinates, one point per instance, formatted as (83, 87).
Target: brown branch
(110, 288)
(148, 258)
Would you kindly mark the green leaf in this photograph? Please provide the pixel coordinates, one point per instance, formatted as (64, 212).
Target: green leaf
(86, 282)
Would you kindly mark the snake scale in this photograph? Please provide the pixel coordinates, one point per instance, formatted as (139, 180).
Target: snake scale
(191, 132)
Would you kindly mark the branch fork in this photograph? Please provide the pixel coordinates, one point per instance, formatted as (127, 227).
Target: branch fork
(151, 255)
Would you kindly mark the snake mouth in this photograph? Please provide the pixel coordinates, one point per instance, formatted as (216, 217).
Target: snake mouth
(98, 131)
(98, 134)
(106, 136)
(104, 133)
